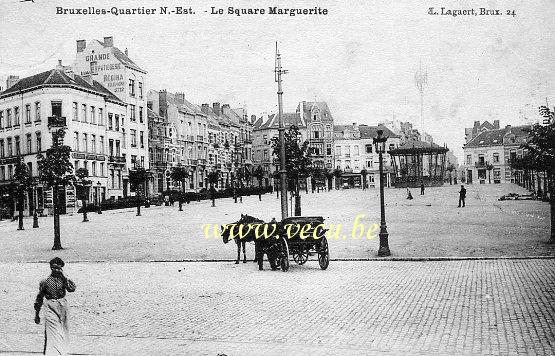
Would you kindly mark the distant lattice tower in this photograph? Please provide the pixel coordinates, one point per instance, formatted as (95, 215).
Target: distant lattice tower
(421, 81)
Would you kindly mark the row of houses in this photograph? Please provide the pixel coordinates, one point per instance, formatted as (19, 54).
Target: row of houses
(114, 123)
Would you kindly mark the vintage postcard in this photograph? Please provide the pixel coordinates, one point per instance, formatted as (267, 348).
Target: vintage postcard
(277, 177)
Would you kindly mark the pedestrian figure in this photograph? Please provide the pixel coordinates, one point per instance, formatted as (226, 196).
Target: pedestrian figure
(53, 289)
(421, 188)
(409, 196)
(462, 196)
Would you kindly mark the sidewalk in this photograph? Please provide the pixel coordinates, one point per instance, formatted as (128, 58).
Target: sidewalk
(379, 307)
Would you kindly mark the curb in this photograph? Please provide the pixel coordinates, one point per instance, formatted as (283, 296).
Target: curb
(371, 259)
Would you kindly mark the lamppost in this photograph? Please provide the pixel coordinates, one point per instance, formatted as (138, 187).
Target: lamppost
(379, 143)
(35, 205)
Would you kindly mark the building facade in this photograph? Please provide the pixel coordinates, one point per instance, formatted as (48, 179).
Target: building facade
(85, 106)
(355, 152)
(487, 156)
(113, 68)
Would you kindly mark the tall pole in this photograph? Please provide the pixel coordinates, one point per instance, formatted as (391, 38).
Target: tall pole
(384, 243)
(281, 130)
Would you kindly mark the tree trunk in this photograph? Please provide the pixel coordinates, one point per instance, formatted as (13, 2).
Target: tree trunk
(21, 199)
(212, 195)
(85, 218)
(55, 203)
(138, 202)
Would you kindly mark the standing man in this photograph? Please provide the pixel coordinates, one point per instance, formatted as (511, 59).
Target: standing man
(53, 289)
(462, 196)
(422, 188)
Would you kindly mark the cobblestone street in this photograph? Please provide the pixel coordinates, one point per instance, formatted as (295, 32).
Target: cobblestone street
(445, 307)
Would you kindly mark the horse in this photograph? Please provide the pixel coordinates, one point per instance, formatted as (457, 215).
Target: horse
(262, 244)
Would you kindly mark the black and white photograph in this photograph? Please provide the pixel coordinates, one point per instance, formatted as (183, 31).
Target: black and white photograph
(277, 177)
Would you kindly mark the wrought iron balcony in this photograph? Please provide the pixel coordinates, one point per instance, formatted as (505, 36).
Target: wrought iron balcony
(57, 121)
(116, 159)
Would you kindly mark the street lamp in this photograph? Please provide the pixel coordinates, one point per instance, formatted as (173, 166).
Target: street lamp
(379, 144)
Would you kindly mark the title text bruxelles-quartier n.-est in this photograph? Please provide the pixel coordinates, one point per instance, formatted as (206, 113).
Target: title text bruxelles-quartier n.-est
(181, 10)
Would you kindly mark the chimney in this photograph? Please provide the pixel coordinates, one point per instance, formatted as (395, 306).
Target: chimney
(216, 108)
(69, 71)
(126, 52)
(496, 124)
(60, 65)
(87, 77)
(226, 109)
(81, 45)
(508, 128)
(12, 79)
(253, 118)
(163, 103)
(109, 41)
(180, 98)
(205, 108)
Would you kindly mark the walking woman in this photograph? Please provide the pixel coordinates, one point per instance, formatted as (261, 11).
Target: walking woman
(52, 291)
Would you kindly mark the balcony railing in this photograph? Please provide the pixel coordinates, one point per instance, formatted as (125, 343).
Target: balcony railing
(116, 159)
(200, 138)
(57, 121)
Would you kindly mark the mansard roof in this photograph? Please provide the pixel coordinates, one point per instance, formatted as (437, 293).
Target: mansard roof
(495, 137)
(58, 78)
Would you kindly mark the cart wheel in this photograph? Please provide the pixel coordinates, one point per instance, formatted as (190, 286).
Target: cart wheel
(300, 256)
(324, 253)
(284, 255)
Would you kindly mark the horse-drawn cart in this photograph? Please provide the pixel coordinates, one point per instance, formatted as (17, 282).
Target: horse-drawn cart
(301, 237)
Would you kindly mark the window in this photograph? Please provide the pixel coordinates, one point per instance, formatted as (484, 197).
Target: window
(100, 116)
(76, 141)
(28, 113)
(86, 165)
(496, 158)
(29, 143)
(134, 160)
(131, 88)
(140, 114)
(111, 146)
(468, 160)
(2, 173)
(1, 119)
(316, 134)
(8, 117)
(75, 110)
(369, 148)
(338, 150)
(84, 113)
(116, 120)
(356, 151)
(39, 142)
(93, 143)
(2, 152)
(101, 173)
(37, 111)
(118, 152)
(328, 149)
(17, 146)
(112, 185)
(10, 171)
(85, 146)
(16, 116)
(93, 116)
(391, 146)
(56, 108)
(133, 138)
(481, 159)
(119, 179)
(93, 168)
(101, 144)
(142, 139)
(347, 151)
(30, 168)
(142, 161)
(497, 173)
(110, 122)
(132, 116)
(369, 164)
(140, 90)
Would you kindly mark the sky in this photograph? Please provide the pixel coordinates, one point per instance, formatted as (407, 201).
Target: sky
(361, 58)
